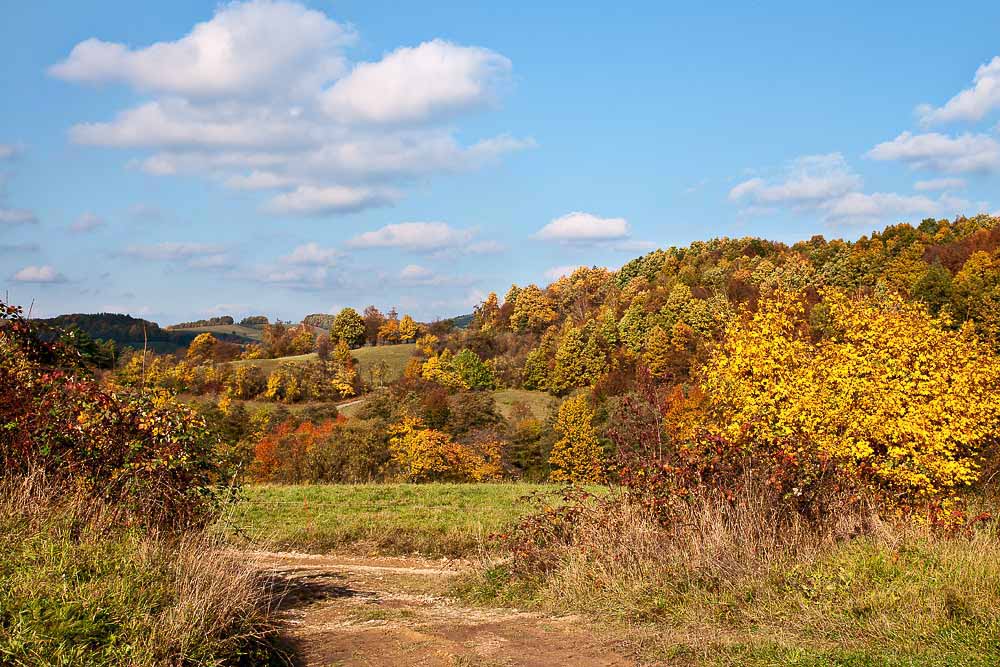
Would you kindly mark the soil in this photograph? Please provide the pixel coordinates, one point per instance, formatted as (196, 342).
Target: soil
(344, 611)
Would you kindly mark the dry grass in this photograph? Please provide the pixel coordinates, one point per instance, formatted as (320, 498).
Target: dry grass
(80, 584)
(740, 584)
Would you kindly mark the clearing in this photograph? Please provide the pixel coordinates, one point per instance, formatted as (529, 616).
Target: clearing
(394, 357)
(396, 611)
(431, 519)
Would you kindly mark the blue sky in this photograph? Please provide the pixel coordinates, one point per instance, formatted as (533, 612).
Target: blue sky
(284, 158)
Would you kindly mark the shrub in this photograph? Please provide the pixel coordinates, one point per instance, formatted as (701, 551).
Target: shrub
(423, 455)
(141, 450)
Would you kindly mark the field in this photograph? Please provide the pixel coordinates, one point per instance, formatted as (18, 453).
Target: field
(539, 402)
(907, 598)
(394, 356)
(432, 519)
(248, 333)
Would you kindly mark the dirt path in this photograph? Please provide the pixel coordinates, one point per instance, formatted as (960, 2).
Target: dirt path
(395, 611)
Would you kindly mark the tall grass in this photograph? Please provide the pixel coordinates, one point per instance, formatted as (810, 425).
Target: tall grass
(737, 582)
(82, 584)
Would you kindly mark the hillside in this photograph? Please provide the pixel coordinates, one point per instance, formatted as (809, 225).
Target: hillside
(124, 330)
(234, 333)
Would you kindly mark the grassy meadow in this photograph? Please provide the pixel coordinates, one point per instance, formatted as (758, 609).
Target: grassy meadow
(394, 357)
(432, 519)
(249, 333)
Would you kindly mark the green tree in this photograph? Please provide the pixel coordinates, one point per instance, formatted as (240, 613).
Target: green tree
(349, 327)
(474, 371)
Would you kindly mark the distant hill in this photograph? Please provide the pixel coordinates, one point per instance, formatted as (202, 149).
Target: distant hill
(462, 321)
(125, 330)
(128, 330)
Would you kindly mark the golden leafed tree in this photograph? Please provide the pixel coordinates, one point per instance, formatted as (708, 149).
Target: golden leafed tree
(576, 457)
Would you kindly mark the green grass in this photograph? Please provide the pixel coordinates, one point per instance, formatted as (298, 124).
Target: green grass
(82, 587)
(539, 402)
(394, 356)
(233, 329)
(432, 519)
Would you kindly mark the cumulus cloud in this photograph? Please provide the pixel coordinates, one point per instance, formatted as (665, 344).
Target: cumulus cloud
(418, 236)
(825, 185)
(193, 255)
(258, 180)
(940, 152)
(87, 222)
(294, 117)
(584, 227)
(420, 276)
(933, 184)
(428, 82)
(971, 104)
(304, 278)
(312, 200)
(246, 48)
(810, 179)
(38, 274)
(312, 254)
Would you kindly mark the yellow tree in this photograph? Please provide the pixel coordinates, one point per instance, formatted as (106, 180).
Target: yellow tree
(890, 393)
(576, 457)
(407, 329)
(345, 376)
(202, 348)
(658, 352)
(389, 331)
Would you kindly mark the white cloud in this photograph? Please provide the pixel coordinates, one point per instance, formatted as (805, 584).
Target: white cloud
(858, 207)
(584, 227)
(824, 185)
(293, 117)
(86, 223)
(307, 278)
(940, 152)
(312, 200)
(426, 82)
(246, 48)
(415, 272)
(258, 180)
(417, 275)
(420, 236)
(38, 274)
(971, 104)
(17, 216)
(939, 184)
(312, 254)
(810, 179)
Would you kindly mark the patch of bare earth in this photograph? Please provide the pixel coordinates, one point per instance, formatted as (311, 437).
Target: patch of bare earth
(394, 611)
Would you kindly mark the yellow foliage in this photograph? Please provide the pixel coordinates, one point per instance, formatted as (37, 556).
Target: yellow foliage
(889, 391)
(576, 456)
(439, 369)
(424, 454)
